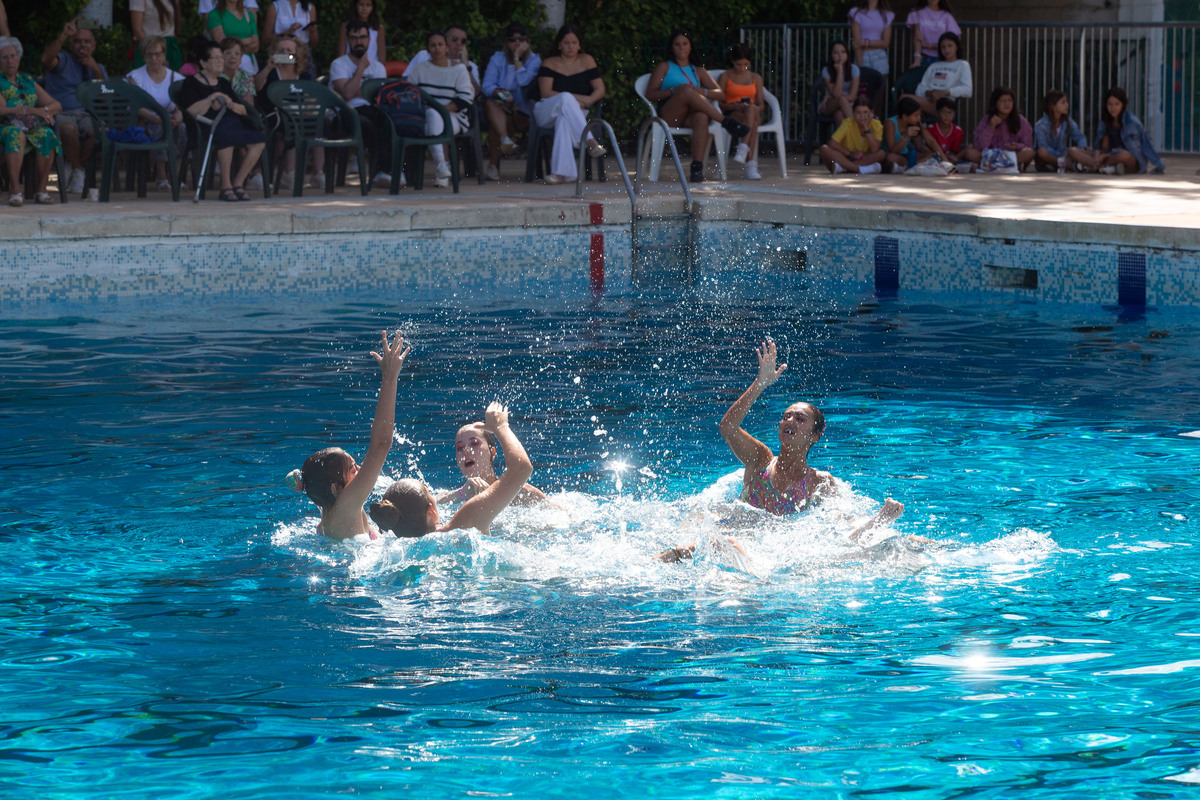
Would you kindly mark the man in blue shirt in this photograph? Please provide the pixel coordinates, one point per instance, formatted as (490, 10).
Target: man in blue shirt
(508, 73)
(64, 72)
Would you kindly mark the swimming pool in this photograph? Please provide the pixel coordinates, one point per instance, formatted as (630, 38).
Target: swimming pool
(173, 626)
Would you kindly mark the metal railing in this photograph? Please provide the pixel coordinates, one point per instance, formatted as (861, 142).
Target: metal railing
(1158, 65)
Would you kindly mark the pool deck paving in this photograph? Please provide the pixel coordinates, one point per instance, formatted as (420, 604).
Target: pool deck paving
(1151, 210)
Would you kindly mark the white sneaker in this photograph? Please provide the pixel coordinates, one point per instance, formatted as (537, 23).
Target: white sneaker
(507, 145)
(743, 152)
(254, 182)
(752, 173)
(838, 168)
(75, 184)
(871, 169)
(317, 181)
(442, 170)
(352, 167)
(287, 180)
(492, 173)
(65, 175)
(441, 183)
(1113, 169)
(383, 180)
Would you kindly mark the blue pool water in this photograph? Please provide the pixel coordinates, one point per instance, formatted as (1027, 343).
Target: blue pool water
(173, 627)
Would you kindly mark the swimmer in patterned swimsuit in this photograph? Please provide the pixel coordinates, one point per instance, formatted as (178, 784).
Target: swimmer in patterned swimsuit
(785, 484)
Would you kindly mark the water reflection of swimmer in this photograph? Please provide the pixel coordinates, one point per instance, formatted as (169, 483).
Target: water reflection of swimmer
(475, 452)
(408, 509)
(785, 484)
(332, 479)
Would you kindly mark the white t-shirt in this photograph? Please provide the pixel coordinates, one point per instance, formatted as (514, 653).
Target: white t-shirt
(159, 91)
(344, 67)
(424, 56)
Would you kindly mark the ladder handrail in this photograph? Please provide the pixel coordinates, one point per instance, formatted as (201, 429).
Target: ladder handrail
(616, 149)
(642, 166)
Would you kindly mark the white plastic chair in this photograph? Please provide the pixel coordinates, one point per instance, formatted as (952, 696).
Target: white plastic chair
(773, 124)
(656, 135)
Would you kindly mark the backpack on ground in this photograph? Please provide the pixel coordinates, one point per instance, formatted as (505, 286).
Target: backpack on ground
(403, 104)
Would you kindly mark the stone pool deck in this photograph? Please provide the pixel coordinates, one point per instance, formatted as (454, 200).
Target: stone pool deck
(1155, 211)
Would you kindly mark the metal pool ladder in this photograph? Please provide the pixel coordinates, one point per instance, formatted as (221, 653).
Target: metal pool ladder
(662, 243)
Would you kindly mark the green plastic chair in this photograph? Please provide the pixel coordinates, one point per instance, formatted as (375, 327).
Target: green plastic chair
(370, 88)
(114, 105)
(303, 106)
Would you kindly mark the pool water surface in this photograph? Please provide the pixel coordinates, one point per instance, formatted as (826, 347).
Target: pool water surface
(173, 625)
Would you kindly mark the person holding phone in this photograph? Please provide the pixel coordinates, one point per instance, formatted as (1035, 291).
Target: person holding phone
(743, 100)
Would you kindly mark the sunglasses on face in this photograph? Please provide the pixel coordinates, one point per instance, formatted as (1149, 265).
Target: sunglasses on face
(516, 38)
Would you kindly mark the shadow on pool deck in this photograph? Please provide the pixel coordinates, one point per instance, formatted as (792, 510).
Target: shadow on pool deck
(1159, 201)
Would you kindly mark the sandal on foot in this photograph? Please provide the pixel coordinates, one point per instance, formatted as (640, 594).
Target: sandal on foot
(16, 199)
(240, 193)
(43, 199)
(228, 195)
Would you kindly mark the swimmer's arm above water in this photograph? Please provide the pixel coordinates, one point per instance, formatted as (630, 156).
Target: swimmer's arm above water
(346, 513)
(480, 510)
(528, 495)
(750, 451)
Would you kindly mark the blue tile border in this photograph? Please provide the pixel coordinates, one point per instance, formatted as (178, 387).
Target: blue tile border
(1131, 279)
(887, 264)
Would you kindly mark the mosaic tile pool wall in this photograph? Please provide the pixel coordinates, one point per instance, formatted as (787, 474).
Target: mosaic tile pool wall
(840, 261)
(562, 261)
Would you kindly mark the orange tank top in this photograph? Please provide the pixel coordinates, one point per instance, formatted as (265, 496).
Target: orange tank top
(736, 92)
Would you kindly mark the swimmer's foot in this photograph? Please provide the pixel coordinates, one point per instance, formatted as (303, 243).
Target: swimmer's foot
(674, 555)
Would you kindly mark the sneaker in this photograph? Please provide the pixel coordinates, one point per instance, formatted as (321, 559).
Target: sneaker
(1080, 167)
(507, 145)
(743, 152)
(871, 169)
(383, 180)
(896, 169)
(492, 173)
(254, 182)
(352, 167)
(555, 179)
(317, 181)
(838, 168)
(442, 171)
(441, 183)
(1113, 169)
(164, 185)
(752, 173)
(75, 184)
(1120, 169)
(287, 180)
(697, 175)
(64, 177)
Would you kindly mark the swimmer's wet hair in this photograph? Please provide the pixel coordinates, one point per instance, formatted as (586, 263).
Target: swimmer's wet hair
(324, 470)
(403, 509)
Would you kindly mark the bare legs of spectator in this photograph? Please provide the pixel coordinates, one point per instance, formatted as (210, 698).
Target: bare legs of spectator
(501, 123)
(76, 150)
(249, 161)
(838, 107)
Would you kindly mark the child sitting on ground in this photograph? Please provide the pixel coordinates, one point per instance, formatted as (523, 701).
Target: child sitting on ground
(330, 477)
(856, 146)
(907, 141)
(948, 135)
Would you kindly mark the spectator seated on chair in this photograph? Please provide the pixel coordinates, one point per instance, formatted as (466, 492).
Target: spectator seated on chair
(155, 79)
(346, 75)
(231, 61)
(288, 62)
(450, 85)
(204, 95)
(64, 72)
(364, 11)
(950, 77)
(510, 70)
(570, 83)
(857, 144)
(684, 93)
(744, 101)
(456, 53)
(841, 79)
(26, 120)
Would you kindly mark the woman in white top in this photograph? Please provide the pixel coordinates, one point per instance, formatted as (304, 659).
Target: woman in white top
(450, 85)
(295, 17)
(155, 79)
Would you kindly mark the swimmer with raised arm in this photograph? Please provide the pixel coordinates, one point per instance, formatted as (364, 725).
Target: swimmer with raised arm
(409, 510)
(475, 453)
(783, 484)
(333, 480)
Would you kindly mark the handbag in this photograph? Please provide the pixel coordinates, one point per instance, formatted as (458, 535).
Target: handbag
(1003, 162)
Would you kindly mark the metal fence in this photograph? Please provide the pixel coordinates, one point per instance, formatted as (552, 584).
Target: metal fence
(1156, 63)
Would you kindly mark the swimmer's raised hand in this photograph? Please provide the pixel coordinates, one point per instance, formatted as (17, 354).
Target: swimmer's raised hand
(393, 355)
(495, 418)
(767, 373)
